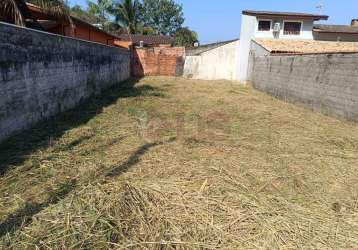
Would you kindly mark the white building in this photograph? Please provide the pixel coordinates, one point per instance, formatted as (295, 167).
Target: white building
(271, 25)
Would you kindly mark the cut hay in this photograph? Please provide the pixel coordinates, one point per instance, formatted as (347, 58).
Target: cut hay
(279, 177)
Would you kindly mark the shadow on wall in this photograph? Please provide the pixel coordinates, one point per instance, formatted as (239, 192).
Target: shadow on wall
(137, 68)
(15, 150)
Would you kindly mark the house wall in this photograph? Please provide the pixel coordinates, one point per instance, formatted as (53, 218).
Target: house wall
(42, 74)
(82, 30)
(203, 48)
(325, 83)
(167, 61)
(123, 44)
(256, 50)
(215, 64)
(246, 35)
(87, 32)
(306, 31)
(344, 37)
(249, 31)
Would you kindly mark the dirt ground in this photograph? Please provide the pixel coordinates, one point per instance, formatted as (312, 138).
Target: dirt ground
(169, 163)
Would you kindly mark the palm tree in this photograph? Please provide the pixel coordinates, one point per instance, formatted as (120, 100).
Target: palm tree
(127, 15)
(17, 12)
(100, 10)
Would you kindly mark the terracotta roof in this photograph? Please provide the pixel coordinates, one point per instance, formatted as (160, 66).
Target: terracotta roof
(147, 39)
(307, 46)
(336, 29)
(284, 14)
(48, 24)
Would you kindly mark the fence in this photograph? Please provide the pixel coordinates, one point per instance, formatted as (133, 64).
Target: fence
(42, 74)
(327, 83)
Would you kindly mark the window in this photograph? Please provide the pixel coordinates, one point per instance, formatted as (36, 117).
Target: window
(264, 25)
(292, 28)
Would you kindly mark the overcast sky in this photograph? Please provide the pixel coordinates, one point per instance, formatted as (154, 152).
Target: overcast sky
(219, 20)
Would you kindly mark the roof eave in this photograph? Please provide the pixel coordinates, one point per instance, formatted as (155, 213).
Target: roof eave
(335, 32)
(37, 8)
(310, 17)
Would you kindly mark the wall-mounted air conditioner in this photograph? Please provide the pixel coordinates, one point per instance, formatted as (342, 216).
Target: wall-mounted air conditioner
(276, 30)
(277, 27)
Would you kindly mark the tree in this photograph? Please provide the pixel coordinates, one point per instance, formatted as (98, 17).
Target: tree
(99, 10)
(84, 15)
(164, 16)
(14, 11)
(56, 8)
(185, 37)
(126, 14)
(17, 12)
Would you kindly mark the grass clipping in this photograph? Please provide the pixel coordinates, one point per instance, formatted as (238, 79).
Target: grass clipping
(289, 182)
(142, 216)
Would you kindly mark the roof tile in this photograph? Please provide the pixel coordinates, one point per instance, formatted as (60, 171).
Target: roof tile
(147, 39)
(336, 28)
(307, 46)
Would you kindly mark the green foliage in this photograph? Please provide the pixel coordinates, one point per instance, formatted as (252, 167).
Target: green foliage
(185, 37)
(96, 14)
(99, 10)
(164, 16)
(141, 29)
(84, 15)
(148, 17)
(127, 14)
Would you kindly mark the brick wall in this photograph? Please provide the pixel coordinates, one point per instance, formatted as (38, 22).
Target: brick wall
(42, 74)
(158, 61)
(325, 83)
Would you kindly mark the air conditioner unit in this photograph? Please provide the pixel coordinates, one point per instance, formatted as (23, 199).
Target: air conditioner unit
(277, 27)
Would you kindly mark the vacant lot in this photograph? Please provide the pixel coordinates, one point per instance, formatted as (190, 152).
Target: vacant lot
(170, 163)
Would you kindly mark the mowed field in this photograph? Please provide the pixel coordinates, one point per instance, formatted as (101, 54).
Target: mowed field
(169, 163)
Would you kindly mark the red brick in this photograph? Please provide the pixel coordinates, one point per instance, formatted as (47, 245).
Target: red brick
(156, 61)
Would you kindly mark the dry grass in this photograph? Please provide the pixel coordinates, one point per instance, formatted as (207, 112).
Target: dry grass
(229, 168)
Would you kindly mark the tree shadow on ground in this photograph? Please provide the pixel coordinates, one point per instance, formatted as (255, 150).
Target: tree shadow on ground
(23, 216)
(15, 150)
(134, 158)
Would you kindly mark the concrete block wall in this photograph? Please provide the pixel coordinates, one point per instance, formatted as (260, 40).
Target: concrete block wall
(42, 74)
(326, 83)
(166, 61)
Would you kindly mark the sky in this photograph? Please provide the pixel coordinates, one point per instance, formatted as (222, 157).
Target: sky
(215, 20)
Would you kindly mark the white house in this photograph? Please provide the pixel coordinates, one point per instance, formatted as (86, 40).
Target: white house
(265, 33)
(271, 25)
